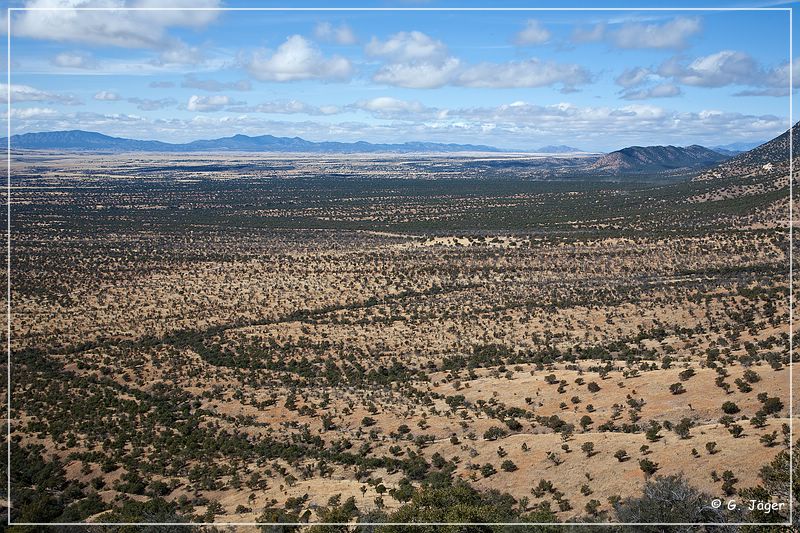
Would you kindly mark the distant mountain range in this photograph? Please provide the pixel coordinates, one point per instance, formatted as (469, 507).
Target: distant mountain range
(631, 160)
(78, 140)
(636, 159)
(736, 147)
(557, 149)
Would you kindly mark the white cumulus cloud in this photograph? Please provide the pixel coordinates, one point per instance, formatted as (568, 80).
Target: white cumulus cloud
(589, 34)
(108, 96)
(408, 46)
(672, 34)
(342, 34)
(179, 53)
(26, 93)
(388, 103)
(727, 67)
(388, 107)
(417, 61)
(32, 112)
(130, 29)
(148, 104)
(527, 73)
(204, 104)
(632, 77)
(298, 59)
(418, 75)
(287, 107)
(73, 61)
(533, 33)
(662, 90)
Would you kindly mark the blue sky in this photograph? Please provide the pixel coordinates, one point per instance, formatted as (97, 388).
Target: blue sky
(598, 80)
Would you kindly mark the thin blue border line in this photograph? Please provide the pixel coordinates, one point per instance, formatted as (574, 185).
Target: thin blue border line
(399, 9)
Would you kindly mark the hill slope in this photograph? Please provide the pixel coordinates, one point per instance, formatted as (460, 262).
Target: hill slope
(78, 140)
(635, 159)
(754, 185)
(772, 156)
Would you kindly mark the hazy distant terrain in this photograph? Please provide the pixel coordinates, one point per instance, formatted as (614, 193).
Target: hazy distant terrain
(651, 163)
(77, 140)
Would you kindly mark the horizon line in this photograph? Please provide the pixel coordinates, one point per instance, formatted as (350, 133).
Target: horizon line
(493, 148)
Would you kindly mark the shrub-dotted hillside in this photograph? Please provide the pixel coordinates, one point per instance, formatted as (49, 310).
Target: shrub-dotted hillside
(770, 158)
(635, 159)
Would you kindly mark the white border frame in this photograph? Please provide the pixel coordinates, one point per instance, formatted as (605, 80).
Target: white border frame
(11, 10)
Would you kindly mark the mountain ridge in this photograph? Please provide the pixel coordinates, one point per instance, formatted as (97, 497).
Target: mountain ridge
(557, 149)
(738, 147)
(636, 159)
(80, 140)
